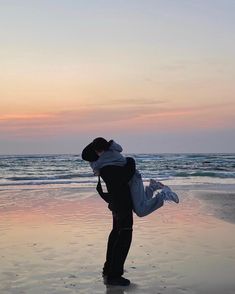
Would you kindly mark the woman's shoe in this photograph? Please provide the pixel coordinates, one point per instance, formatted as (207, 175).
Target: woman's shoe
(155, 185)
(168, 195)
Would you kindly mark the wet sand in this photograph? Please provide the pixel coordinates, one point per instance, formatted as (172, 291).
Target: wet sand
(220, 204)
(55, 244)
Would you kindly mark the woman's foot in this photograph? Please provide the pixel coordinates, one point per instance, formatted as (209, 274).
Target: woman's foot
(155, 185)
(168, 195)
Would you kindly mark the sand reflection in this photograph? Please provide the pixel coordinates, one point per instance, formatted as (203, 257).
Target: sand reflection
(57, 244)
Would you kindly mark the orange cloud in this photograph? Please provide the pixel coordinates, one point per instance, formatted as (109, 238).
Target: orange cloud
(117, 117)
(19, 117)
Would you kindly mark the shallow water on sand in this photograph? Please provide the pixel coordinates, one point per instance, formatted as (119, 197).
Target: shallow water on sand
(55, 244)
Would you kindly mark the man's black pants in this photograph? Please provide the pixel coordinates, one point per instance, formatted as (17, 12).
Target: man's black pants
(119, 242)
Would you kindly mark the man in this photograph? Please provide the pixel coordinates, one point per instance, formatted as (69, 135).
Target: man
(116, 179)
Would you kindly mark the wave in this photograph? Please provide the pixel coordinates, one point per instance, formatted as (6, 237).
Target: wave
(45, 178)
(70, 169)
(206, 174)
(37, 183)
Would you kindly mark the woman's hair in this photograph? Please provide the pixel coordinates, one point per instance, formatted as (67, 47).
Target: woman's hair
(100, 144)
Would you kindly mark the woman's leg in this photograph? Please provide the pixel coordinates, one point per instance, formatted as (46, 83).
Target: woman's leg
(148, 192)
(143, 205)
(148, 206)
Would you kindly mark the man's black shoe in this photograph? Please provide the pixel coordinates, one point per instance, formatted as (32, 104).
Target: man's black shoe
(117, 281)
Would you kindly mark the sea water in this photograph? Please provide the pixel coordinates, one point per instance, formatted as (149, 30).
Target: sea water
(29, 171)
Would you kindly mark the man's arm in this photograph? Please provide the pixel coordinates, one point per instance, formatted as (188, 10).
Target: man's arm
(103, 195)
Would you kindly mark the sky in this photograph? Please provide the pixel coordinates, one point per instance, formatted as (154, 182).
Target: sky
(154, 75)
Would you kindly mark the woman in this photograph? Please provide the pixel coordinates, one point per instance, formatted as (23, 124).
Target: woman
(109, 153)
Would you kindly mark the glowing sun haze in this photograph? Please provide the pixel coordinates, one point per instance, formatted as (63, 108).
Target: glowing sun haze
(157, 76)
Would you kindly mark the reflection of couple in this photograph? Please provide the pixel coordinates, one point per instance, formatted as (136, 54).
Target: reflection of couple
(126, 192)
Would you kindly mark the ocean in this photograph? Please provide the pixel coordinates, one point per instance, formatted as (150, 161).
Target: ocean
(38, 171)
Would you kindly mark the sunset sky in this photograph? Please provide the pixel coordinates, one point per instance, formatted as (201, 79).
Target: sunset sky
(155, 75)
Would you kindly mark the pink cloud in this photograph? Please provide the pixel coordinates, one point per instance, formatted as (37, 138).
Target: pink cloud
(116, 117)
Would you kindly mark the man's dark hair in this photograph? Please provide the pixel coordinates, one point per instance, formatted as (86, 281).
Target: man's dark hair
(100, 144)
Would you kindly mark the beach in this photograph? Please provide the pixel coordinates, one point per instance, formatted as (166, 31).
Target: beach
(53, 240)
(117, 91)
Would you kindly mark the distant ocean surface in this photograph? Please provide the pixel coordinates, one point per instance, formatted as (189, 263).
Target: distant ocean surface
(30, 171)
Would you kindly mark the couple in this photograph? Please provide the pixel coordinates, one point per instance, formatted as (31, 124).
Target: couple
(125, 193)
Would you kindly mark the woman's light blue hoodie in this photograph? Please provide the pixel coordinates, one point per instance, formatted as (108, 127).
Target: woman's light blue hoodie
(112, 156)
